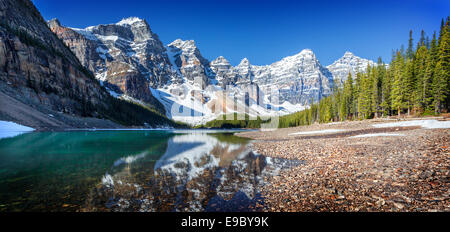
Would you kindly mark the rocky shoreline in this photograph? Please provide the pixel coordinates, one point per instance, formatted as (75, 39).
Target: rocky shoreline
(409, 172)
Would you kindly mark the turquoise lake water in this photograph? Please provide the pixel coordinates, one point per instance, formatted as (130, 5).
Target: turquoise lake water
(131, 171)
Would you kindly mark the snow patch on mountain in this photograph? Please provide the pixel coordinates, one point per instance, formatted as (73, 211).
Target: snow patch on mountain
(129, 21)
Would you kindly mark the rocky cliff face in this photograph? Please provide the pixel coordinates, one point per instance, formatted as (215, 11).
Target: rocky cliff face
(224, 72)
(245, 71)
(186, 58)
(349, 63)
(35, 65)
(85, 49)
(127, 56)
(42, 75)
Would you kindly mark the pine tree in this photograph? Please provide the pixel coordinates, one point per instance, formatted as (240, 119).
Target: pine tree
(420, 91)
(349, 93)
(431, 61)
(442, 70)
(343, 107)
(365, 93)
(409, 84)
(422, 38)
(410, 51)
(386, 91)
(446, 56)
(397, 94)
(440, 32)
(378, 73)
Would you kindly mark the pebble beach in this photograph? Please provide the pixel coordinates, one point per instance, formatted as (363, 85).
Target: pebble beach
(363, 166)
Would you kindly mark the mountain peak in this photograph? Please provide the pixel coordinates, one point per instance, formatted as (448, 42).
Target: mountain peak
(348, 63)
(130, 21)
(244, 62)
(220, 60)
(54, 22)
(347, 53)
(185, 45)
(181, 43)
(351, 59)
(306, 51)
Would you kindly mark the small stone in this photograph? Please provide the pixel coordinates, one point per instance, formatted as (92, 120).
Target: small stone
(398, 205)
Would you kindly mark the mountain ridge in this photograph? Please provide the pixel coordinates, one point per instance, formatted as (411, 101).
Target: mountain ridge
(178, 70)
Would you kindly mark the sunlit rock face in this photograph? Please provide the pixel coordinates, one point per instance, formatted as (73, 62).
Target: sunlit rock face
(186, 57)
(198, 172)
(245, 72)
(224, 72)
(126, 56)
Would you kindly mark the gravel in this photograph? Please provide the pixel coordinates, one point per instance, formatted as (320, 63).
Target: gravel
(382, 173)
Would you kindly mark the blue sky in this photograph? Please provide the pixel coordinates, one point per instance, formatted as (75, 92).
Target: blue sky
(266, 31)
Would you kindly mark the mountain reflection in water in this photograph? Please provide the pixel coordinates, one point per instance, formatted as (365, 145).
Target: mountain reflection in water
(132, 171)
(198, 172)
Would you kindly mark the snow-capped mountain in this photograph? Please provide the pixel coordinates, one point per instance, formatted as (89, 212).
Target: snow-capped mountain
(223, 71)
(299, 78)
(132, 62)
(245, 71)
(187, 60)
(126, 56)
(348, 63)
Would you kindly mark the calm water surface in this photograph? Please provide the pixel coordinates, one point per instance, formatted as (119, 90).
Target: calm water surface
(132, 171)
